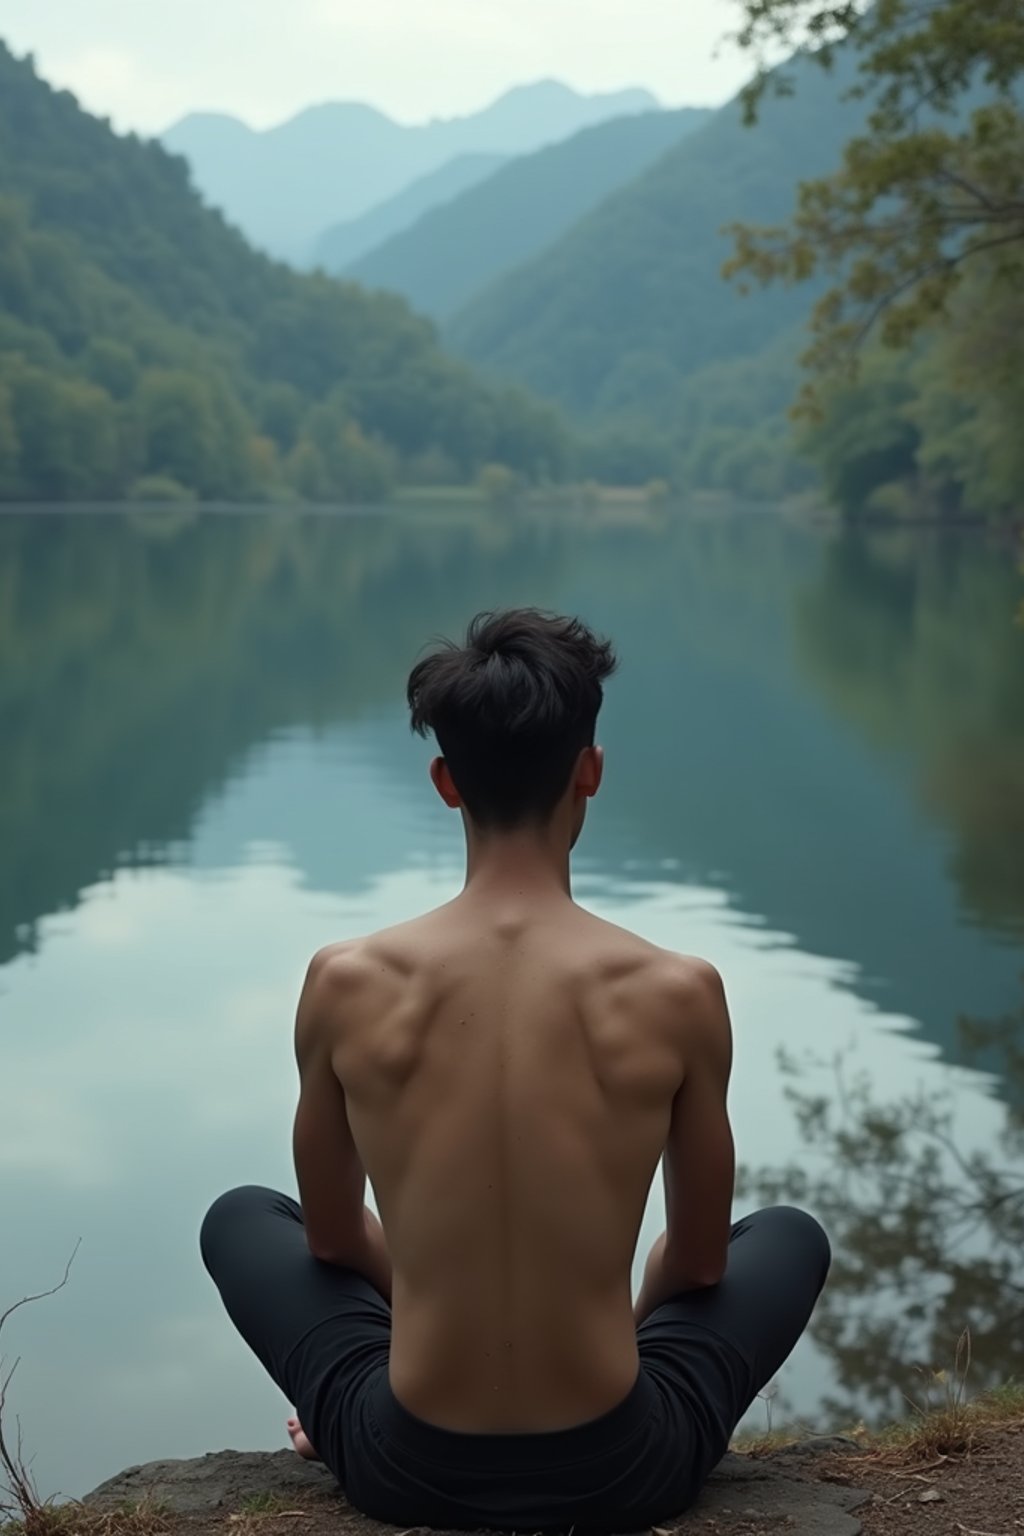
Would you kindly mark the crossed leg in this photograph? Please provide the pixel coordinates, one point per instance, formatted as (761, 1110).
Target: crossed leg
(714, 1350)
(319, 1330)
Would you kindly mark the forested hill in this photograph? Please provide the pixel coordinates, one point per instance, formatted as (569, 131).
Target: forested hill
(455, 250)
(146, 349)
(344, 243)
(631, 301)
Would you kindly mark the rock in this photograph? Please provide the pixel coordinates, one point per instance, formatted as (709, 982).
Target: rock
(771, 1488)
(774, 1489)
(816, 1445)
(220, 1480)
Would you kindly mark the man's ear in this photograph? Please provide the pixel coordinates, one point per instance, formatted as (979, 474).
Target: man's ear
(589, 772)
(444, 784)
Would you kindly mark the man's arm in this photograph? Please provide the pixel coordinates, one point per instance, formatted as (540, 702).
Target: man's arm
(340, 1229)
(699, 1162)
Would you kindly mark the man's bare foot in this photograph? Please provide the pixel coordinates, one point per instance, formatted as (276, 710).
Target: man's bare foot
(300, 1440)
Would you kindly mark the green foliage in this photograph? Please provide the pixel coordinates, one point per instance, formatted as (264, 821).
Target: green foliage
(935, 429)
(498, 484)
(9, 446)
(934, 185)
(867, 440)
(141, 337)
(627, 455)
(150, 489)
(193, 431)
(66, 432)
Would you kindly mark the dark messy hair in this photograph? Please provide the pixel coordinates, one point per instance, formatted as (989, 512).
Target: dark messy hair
(512, 708)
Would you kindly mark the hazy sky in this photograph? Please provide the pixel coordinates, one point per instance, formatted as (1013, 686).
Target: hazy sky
(144, 63)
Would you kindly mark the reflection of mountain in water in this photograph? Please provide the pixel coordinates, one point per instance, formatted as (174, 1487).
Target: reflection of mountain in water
(141, 671)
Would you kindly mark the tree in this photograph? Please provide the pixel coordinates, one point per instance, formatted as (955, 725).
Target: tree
(935, 183)
(971, 403)
(8, 446)
(193, 430)
(866, 439)
(67, 435)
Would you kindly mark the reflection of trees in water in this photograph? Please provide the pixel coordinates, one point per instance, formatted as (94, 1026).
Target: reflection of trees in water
(913, 638)
(142, 659)
(927, 1236)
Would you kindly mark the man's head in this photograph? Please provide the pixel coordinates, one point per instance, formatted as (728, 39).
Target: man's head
(514, 711)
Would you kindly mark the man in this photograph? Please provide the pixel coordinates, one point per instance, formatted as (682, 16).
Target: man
(508, 1070)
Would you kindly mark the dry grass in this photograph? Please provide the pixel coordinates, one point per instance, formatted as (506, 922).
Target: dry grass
(75, 1519)
(263, 1504)
(764, 1442)
(949, 1430)
(945, 1422)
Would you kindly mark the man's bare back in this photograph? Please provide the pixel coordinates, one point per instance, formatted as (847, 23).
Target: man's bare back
(507, 1070)
(509, 1065)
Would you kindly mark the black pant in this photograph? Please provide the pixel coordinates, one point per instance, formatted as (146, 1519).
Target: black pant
(323, 1334)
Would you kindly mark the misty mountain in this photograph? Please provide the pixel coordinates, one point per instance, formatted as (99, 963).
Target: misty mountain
(455, 250)
(283, 186)
(611, 318)
(346, 242)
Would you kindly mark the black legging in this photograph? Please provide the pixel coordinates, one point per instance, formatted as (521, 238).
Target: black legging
(323, 1334)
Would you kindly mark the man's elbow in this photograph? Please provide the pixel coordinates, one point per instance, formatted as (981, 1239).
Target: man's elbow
(703, 1276)
(692, 1272)
(330, 1252)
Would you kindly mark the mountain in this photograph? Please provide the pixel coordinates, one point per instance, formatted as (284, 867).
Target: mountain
(454, 251)
(141, 337)
(631, 301)
(346, 242)
(283, 186)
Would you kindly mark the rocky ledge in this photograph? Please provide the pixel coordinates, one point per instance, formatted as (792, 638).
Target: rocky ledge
(776, 1492)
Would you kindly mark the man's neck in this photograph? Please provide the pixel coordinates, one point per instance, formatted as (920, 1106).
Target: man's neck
(531, 862)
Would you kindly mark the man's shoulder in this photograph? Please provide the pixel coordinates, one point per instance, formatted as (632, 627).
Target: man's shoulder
(678, 977)
(685, 988)
(372, 959)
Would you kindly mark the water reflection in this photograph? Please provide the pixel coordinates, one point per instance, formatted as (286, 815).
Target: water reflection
(911, 638)
(927, 1223)
(815, 777)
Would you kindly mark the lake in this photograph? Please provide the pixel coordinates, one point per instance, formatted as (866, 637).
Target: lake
(815, 778)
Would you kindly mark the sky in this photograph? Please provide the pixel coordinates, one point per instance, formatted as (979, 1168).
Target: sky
(144, 64)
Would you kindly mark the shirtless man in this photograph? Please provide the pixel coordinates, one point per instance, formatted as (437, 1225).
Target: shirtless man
(508, 1070)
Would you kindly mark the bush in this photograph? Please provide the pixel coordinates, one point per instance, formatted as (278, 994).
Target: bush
(498, 484)
(162, 489)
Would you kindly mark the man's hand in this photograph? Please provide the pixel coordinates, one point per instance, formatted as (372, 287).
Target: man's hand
(661, 1282)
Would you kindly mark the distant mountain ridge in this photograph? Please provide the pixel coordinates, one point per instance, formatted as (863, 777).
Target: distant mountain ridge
(345, 243)
(283, 186)
(454, 251)
(612, 318)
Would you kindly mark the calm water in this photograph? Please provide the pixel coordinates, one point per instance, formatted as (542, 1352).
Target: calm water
(815, 778)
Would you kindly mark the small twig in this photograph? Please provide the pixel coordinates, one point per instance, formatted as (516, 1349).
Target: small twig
(922, 1470)
(42, 1295)
(20, 1486)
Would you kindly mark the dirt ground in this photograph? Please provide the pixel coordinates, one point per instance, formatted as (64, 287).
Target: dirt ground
(980, 1494)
